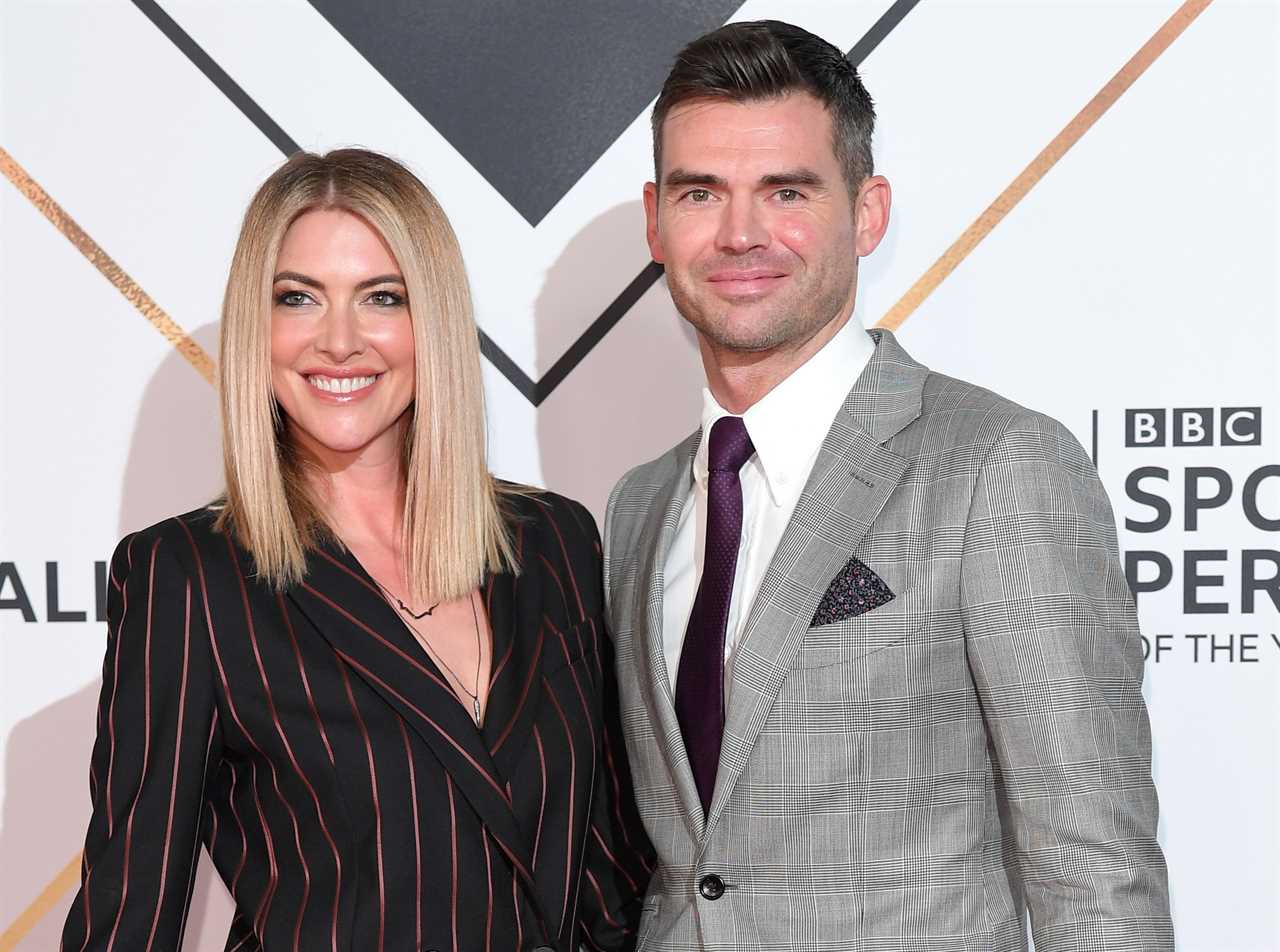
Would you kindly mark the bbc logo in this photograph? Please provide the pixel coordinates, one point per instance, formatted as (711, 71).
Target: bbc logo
(1194, 426)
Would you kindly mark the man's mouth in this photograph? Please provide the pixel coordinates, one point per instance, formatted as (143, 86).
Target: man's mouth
(745, 282)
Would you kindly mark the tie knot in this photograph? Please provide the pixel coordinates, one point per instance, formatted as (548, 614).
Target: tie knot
(729, 445)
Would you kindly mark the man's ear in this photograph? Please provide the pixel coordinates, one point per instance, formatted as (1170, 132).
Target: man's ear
(871, 214)
(651, 221)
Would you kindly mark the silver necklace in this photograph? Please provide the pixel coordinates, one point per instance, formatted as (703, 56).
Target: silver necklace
(435, 655)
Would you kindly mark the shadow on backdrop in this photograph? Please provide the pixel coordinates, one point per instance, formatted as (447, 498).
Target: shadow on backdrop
(175, 458)
(173, 465)
(638, 392)
(46, 806)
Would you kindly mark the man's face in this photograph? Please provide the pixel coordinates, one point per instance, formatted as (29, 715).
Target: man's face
(754, 222)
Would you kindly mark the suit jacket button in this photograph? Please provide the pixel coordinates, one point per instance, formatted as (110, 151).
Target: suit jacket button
(711, 887)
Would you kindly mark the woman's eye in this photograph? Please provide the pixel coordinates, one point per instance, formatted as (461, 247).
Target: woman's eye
(386, 299)
(293, 298)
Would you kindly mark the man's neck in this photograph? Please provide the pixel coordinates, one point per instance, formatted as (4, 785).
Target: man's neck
(738, 380)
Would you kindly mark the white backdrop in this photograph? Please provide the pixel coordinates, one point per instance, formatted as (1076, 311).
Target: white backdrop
(1138, 274)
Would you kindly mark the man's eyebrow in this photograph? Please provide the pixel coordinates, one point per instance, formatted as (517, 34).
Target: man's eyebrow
(801, 176)
(682, 178)
(678, 178)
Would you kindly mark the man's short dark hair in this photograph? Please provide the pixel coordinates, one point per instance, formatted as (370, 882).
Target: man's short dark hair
(766, 59)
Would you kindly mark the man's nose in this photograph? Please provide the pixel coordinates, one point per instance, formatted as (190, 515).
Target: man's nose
(741, 227)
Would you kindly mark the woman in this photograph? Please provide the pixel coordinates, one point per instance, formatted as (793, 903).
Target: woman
(372, 681)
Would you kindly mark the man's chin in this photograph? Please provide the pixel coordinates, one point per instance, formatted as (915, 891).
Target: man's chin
(744, 335)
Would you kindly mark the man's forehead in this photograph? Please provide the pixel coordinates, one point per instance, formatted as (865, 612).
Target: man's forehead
(796, 126)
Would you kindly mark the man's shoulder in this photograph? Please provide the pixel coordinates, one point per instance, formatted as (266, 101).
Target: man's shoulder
(944, 393)
(642, 488)
(957, 412)
(950, 396)
(642, 482)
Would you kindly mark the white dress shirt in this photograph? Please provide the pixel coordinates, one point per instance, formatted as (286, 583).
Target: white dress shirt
(787, 427)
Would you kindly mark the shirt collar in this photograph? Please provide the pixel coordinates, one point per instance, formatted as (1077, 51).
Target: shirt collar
(788, 424)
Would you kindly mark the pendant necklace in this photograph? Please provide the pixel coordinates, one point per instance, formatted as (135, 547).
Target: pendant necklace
(435, 655)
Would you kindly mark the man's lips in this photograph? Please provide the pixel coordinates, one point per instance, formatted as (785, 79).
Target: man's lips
(752, 282)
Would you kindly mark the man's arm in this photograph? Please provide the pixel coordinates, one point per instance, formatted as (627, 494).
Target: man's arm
(1055, 653)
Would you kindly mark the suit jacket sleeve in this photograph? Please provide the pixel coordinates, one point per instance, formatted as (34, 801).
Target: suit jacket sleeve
(618, 859)
(618, 491)
(1055, 653)
(157, 731)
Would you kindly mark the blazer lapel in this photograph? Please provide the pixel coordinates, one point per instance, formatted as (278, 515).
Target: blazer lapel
(647, 623)
(853, 477)
(514, 605)
(347, 609)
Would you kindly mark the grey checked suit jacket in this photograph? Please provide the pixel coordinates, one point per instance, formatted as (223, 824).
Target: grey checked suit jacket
(918, 776)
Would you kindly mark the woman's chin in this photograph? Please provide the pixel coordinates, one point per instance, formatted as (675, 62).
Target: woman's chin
(343, 444)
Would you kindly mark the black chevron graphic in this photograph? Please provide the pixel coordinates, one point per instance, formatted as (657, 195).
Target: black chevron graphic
(530, 93)
(535, 391)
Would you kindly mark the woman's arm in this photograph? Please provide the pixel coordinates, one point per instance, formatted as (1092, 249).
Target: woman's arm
(618, 859)
(158, 738)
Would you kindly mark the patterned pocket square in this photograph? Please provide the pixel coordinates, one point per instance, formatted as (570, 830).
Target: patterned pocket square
(854, 590)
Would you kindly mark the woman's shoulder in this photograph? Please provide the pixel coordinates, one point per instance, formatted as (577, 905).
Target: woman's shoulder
(557, 535)
(552, 515)
(181, 538)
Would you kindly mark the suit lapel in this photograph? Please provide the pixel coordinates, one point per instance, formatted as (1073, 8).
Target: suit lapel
(347, 609)
(853, 477)
(647, 622)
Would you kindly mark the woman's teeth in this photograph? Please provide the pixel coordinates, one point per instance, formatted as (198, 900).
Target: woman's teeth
(341, 384)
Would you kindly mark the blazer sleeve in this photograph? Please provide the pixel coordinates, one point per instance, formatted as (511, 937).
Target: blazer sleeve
(1056, 657)
(618, 859)
(157, 738)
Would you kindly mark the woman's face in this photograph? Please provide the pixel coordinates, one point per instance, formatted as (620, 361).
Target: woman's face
(341, 338)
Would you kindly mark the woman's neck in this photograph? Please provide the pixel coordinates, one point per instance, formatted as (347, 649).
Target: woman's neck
(361, 493)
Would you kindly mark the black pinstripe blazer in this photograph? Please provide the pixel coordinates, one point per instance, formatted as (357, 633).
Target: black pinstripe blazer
(346, 797)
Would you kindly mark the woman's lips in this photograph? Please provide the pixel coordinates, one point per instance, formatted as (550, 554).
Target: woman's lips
(341, 389)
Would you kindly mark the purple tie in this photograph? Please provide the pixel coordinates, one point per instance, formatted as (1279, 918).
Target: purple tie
(700, 681)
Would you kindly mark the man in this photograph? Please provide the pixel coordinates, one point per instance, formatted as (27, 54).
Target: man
(880, 671)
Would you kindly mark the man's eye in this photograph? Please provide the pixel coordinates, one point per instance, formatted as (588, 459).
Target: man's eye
(699, 195)
(386, 299)
(293, 298)
(789, 195)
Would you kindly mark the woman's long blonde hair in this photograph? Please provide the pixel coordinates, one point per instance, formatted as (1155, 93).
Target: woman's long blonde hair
(453, 528)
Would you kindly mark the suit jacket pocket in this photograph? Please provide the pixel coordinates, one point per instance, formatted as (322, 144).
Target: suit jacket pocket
(578, 642)
(845, 641)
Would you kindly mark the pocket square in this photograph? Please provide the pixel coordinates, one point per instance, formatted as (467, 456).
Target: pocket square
(854, 590)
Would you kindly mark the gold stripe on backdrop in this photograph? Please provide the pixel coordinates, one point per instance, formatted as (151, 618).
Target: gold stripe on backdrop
(188, 348)
(43, 904)
(139, 298)
(1042, 163)
(974, 234)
